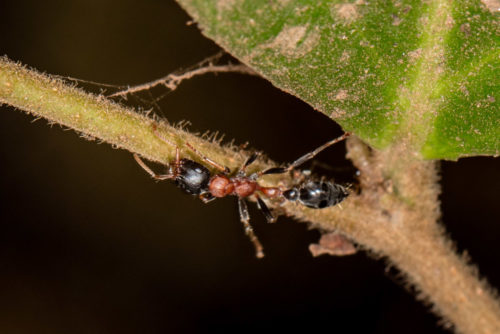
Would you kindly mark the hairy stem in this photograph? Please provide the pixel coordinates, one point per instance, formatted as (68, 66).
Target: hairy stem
(395, 215)
(98, 117)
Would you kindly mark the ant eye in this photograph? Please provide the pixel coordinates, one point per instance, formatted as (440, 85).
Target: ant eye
(291, 195)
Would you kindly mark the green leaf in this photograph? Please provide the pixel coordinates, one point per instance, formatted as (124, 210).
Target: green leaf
(419, 73)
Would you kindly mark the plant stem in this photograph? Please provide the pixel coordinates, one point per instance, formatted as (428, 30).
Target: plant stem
(98, 117)
(395, 216)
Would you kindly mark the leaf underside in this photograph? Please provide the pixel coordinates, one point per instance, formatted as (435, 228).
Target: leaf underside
(419, 73)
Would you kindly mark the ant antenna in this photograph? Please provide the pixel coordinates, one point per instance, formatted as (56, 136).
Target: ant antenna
(304, 158)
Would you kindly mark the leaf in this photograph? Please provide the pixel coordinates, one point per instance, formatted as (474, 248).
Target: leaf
(423, 74)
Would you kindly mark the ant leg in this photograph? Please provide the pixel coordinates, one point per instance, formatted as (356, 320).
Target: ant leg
(206, 197)
(150, 172)
(212, 163)
(163, 139)
(272, 170)
(312, 154)
(302, 159)
(265, 210)
(247, 163)
(245, 219)
(177, 162)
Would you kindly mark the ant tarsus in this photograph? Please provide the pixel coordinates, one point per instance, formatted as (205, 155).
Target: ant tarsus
(245, 219)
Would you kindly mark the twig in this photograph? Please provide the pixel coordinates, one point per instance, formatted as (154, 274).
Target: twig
(172, 81)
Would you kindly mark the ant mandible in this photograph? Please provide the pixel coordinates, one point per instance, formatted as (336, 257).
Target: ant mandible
(195, 179)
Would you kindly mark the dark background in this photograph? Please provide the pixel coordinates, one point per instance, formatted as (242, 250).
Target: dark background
(90, 244)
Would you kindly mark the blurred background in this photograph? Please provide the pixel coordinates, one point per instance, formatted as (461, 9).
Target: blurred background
(89, 243)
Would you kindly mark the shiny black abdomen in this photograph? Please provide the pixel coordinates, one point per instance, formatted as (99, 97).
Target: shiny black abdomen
(193, 178)
(320, 194)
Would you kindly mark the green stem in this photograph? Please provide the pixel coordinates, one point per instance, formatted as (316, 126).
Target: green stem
(395, 216)
(101, 118)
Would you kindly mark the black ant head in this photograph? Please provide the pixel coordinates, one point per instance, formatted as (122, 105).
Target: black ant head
(192, 177)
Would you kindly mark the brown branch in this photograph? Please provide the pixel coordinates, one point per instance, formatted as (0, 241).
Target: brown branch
(172, 81)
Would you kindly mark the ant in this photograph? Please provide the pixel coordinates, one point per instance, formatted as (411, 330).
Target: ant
(195, 179)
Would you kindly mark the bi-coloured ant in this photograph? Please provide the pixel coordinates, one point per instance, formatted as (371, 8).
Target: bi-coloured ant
(195, 179)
